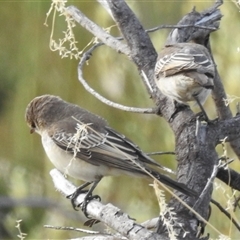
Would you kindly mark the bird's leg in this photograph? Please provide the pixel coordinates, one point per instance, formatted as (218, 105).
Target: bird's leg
(203, 112)
(89, 197)
(78, 191)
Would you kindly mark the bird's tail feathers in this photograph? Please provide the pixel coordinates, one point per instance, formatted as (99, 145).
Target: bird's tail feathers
(174, 184)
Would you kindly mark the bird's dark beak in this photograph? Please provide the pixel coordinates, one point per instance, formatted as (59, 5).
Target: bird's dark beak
(32, 130)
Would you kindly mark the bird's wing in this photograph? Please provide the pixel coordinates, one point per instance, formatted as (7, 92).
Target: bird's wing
(107, 148)
(98, 147)
(126, 144)
(183, 59)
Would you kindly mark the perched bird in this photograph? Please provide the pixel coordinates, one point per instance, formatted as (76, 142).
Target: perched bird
(184, 72)
(82, 145)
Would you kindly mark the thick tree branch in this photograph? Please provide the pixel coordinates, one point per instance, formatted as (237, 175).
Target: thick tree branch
(143, 53)
(230, 177)
(228, 129)
(223, 110)
(137, 39)
(97, 31)
(108, 214)
(195, 153)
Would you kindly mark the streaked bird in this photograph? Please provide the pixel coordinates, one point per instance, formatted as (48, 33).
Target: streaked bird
(185, 72)
(82, 145)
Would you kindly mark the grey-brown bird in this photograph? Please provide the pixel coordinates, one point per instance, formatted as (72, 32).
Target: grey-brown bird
(184, 72)
(82, 145)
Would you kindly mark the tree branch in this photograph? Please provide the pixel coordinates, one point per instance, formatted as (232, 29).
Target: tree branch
(192, 162)
(230, 177)
(94, 234)
(196, 154)
(228, 129)
(229, 216)
(110, 41)
(142, 53)
(86, 56)
(97, 31)
(108, 214)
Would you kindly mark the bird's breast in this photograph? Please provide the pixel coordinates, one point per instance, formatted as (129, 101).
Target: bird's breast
(179, 87)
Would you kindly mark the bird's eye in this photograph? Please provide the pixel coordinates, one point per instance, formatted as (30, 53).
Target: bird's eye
(33, 125)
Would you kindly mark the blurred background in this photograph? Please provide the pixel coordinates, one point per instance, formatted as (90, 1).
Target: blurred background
(28, 68)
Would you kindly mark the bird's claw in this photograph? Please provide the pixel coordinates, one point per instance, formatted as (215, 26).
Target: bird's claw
(74, 196)
(86, 201)
(203, 117)
(83, 205)
(178, 108)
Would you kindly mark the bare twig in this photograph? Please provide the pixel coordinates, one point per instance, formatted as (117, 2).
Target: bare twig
(236, 203)
(72, 229)
(210, 180)
(21, 235)
(179, 26)
(96, 234)
(85, 58)
(226, 213)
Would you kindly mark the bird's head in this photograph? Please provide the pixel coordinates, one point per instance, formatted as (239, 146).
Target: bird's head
(42, 111)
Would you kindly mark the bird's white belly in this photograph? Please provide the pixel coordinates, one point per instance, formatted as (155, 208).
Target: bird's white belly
(74, 167)
(179, 87)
